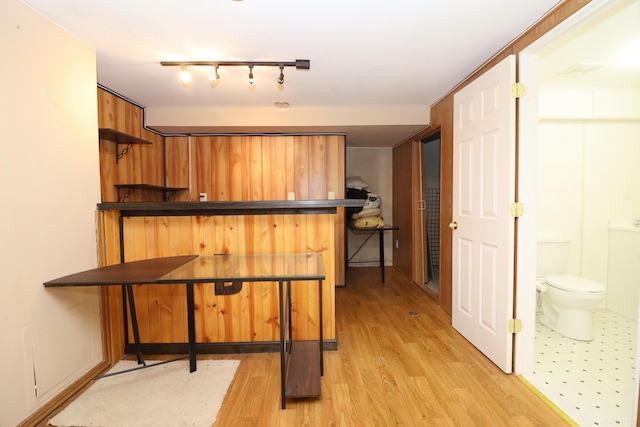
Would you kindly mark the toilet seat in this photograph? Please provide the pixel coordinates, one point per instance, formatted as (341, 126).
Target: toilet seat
(575, 284)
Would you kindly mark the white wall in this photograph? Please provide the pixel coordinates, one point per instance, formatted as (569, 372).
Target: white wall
(49, 187)
(375, 167)
(589, 169)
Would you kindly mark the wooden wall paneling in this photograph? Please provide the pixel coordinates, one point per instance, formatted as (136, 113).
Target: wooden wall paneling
(335, 165)
(275, 227)
(251, 315)
(141, 164)
(201, 166)
(177, 166)
(336, 170)
(203, 229)
(156, 294)
(292, 166)
(254, 168)
(302, 242)
(445, 111)
(177, 295)
(278, 171)
(108, 254)
(243, 185)
(165, 293)
(318, 173)
(301, 162)
(135, 249)
(235, 187)
(220, 185)
(133, 161)
(265, 168)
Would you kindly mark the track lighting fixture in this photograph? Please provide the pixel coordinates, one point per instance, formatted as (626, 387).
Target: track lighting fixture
(214, 75)
(251, 79)
(281, 76)
(185, 77)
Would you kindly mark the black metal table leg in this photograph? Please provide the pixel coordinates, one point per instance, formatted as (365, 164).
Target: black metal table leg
(321, 343)
(381, 233)
(134, 324)
(191, 325)
(283, 340)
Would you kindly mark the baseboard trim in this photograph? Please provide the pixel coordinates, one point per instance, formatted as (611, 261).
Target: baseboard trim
(41, 416)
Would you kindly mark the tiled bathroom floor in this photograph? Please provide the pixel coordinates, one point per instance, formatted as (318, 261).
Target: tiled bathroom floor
(592, 382)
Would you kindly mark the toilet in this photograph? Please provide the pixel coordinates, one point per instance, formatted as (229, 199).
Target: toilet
(566, 301)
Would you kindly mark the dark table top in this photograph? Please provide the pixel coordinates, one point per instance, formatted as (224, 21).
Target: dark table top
(205, 269)
(128, 273)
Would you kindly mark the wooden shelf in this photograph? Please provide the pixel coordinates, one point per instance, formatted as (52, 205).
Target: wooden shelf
(131, 187)
(303, 373)
(120, 139)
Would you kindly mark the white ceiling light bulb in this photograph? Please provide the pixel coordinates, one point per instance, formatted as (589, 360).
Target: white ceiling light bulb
(185, 77)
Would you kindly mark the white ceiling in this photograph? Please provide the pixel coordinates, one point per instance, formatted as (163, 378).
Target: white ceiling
(603, 50)
(376, 67)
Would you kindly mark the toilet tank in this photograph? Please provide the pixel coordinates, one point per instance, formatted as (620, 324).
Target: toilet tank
(552, 256)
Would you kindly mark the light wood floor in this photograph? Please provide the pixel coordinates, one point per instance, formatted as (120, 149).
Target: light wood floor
(391, 369)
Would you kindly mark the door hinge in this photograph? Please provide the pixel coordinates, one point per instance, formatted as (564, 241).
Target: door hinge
(515, 326)
(517, 90)
(516, 209)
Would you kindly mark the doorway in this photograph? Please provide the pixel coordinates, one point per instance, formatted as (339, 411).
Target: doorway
(559, 68)
(431, 210)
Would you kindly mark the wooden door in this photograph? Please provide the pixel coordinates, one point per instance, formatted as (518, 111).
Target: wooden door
(483, 189)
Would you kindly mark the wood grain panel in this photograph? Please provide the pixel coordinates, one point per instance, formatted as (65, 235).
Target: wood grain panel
(177, 170)
(250, 316)
(142, 163)
(403, 209)
(263, 167)
(301, 164)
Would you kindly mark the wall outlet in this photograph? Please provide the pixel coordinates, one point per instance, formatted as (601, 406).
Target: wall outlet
(291, 196)
(331, 195)
(203, 197)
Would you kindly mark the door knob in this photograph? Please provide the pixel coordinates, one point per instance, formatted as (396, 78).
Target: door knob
(453, 225)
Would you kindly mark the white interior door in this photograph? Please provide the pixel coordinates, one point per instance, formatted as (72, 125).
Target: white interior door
(483, 190)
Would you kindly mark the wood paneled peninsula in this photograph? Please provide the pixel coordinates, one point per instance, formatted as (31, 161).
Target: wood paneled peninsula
(245, 322)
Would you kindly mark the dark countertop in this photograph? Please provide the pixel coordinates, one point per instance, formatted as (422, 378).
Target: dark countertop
(232, 208)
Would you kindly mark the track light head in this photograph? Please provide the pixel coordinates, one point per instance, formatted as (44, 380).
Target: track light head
(214, 76)
(281, 76)
(252, 80)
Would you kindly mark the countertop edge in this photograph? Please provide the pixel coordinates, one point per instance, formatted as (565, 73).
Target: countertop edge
(247, 206)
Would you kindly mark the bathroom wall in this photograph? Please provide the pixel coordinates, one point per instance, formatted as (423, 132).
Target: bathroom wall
(624, 269)
(589, 174)
(375, 167)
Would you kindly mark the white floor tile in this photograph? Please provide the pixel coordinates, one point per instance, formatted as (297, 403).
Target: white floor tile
(592, 382)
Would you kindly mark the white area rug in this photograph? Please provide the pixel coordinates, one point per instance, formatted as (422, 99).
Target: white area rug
(164, 395)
